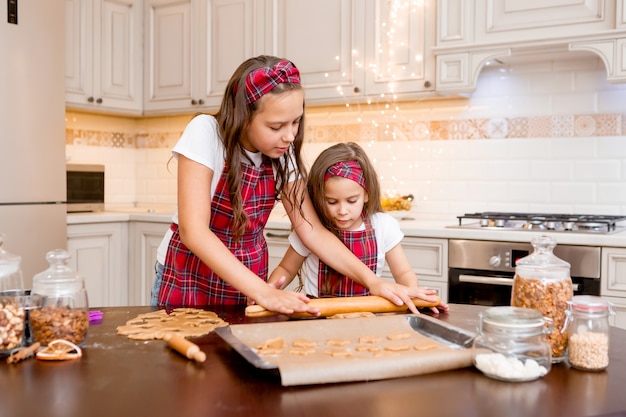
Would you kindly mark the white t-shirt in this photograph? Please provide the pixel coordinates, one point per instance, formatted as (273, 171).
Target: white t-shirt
(388, 235)
(201, 143)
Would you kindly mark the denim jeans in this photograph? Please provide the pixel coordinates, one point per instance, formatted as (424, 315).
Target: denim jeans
(158, 274)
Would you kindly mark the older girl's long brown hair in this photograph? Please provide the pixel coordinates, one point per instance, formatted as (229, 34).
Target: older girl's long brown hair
(233, 118)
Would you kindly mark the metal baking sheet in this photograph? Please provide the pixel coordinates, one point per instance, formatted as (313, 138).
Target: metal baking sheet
(437, 330)
(445, 333)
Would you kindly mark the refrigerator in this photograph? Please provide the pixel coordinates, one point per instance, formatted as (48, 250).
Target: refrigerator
(32, 131)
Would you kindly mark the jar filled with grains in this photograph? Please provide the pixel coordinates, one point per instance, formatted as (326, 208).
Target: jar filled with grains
(588, 332)
(542, 282)
(61, 299)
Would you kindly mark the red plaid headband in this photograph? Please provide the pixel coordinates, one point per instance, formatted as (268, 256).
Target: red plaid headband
(263, 80)
(347, 169)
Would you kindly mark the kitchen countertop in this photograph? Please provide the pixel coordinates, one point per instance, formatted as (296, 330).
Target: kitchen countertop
(118, 376)
(436, 228)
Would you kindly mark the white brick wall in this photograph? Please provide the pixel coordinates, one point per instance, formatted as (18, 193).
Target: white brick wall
(564, 172)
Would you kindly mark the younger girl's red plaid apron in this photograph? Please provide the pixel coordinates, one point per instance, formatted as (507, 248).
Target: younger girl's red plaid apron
(363, 244)
(187, 281)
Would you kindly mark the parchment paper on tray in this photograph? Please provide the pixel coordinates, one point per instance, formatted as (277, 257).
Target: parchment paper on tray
(375, 348)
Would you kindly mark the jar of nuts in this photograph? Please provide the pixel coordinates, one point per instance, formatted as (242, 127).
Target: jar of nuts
(542, 282)
(588, 332)
(12, 312)
(61, 299)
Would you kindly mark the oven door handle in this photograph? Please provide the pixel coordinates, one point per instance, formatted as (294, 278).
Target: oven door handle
(495, 281)
(486, 280)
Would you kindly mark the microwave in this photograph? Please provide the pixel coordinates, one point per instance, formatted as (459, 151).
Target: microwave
(85, 188)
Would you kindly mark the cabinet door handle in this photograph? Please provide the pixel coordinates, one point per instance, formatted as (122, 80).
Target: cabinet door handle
(99, 101)
(486, 280)
(278, 235)
(90, 99)
(201, 102)
(194, 102)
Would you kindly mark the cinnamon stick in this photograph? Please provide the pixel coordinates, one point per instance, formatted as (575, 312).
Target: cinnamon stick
(23, 353)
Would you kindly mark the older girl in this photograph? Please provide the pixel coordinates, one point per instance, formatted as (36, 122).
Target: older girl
(232, 167)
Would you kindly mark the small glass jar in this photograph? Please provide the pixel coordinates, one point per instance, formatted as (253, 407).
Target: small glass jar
(62, 309)
(542, 282)
(511, 344)
(588, 332)
(12, 294)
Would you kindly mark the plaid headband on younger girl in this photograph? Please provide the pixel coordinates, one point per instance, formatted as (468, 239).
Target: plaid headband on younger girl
(263, 80)
(347, 169)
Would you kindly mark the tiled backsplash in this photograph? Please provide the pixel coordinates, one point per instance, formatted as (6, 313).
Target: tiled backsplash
(536, 137)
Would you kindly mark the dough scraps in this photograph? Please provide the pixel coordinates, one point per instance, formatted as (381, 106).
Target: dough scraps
(184, 322)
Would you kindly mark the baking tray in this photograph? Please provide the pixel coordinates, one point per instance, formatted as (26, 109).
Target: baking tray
(246, 337)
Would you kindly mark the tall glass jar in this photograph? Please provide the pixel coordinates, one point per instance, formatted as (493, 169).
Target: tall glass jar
(542, 282)
(12, 294)
(511, 344)
(588, 332)
(61, 299)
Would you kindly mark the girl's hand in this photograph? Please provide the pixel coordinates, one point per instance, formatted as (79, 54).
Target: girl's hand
(285, 302)
(400, 294)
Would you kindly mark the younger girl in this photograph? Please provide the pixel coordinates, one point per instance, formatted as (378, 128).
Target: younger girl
(346, 195)
(232, 167)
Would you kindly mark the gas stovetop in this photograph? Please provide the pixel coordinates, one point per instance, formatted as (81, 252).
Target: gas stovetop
(549, 222)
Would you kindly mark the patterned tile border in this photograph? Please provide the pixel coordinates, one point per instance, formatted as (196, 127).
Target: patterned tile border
(558, 126)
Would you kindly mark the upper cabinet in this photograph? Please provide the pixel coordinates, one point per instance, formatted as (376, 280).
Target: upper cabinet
(192, 47)
(103, 61)
(471, 33)
(154, 57)
(354, 49)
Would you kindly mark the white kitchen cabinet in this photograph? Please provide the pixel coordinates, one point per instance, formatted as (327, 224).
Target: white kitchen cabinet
(192, 47)
(345, 49)
(469, 34)
(429, 259)
(277, 244)
(144, 238)
(99, 253)
(103, 55)
(613, 281)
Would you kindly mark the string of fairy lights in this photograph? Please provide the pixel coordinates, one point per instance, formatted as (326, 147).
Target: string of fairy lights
(382, 109)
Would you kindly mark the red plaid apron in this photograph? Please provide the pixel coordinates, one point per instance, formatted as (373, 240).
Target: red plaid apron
(363, 244)
(187, 281)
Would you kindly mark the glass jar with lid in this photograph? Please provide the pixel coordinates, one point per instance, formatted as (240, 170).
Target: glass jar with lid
(588, 332)
(542, 282)
(61, 299)
(511, 344)
(12, 295)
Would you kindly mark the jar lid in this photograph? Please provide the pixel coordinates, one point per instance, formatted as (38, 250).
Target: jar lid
(518, 320)
(9, 263)
(590, 304)
(59, 278)
(542, 256)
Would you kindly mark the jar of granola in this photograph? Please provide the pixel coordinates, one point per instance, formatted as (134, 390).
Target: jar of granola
(12, 294)
(588, 332)
(61, 299)
(542, 282)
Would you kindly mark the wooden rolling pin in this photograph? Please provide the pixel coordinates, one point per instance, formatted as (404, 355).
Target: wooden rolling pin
(186, 348)
(342, 305)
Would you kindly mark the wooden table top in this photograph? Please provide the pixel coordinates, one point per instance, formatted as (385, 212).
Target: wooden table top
(118, 376)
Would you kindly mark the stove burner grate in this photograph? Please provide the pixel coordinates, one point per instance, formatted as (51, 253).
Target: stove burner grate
(583, 223)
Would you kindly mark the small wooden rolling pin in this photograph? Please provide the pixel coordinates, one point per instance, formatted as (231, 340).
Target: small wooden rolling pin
(341, 305)
(186, 348)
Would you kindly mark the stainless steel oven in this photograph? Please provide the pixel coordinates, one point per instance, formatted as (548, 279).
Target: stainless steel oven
(481, 272)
